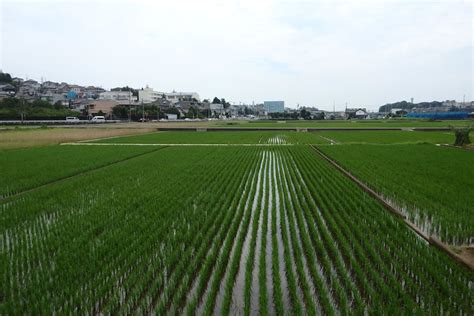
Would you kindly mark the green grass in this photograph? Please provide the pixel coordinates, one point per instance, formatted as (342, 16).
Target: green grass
(388, 137)
(434, 184)
(227, 137)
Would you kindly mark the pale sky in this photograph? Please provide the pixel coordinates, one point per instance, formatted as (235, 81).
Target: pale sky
(365, 53)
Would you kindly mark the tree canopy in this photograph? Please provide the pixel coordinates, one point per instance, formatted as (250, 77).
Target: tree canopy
(5, 77)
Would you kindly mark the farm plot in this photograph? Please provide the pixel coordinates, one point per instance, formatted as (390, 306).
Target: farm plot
(24, 169)
(227, 137)
(433, 185)
(33, 137)
(195, 230)
(387, 137)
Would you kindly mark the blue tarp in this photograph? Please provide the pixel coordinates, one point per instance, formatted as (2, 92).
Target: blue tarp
(440, 115)
(71, 95)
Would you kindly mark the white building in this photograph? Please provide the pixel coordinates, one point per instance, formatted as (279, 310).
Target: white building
(148, 95)
(174, 96)
(123, 97)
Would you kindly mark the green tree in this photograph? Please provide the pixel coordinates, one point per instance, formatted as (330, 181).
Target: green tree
(120, 111)
(305, 114)
(41, 104)
(5, 77)
(216, 101)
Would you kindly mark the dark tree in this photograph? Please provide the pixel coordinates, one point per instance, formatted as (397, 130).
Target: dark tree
(5, 77)
(305, 114)
(462, 136)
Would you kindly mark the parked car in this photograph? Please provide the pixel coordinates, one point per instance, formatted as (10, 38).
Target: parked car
(72, 119)
(98, 119)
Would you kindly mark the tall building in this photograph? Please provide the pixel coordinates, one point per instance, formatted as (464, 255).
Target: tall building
(274, 106)
(148, 95)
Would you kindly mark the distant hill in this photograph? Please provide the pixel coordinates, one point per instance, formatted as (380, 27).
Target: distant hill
(408, 106)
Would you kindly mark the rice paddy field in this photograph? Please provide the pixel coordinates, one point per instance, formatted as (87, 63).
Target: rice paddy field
(265, 226)
(225, 137)
(390, 123)
(387, 137)
(434, 185)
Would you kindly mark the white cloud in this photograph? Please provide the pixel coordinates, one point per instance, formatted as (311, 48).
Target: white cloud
(307, 52)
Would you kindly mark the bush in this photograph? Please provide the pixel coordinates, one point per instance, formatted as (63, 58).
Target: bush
(462, 136)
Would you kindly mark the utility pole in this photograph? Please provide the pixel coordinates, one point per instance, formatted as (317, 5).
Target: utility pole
(129, 108)
(143, 112)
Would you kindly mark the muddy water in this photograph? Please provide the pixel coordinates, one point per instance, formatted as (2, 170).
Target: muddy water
(237, 305)
(269, 246)
(200, 308)
(220, 295)
(254, 301)
(280, 249)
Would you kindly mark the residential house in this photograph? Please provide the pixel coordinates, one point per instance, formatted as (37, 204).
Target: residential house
(7, 90)
(102, 106)
(356, 113)
(122, 97)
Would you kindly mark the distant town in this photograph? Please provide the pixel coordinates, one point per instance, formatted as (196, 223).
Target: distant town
(28, 99)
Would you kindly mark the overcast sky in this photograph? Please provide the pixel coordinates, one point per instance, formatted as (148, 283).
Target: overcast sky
(303, 52)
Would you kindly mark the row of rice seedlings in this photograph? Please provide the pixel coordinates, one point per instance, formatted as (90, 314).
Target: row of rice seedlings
(202, 287)
(299, 204)
(246, 189)
(374, 277)
(307, 261)
(92, 228)
(440, 210)
(238, 291)
(328, 258)
(262, 255)
(278, 274)
(388, 277)
(222, 262)
(344, 246)
(206, 270)
(217, 190)
(131, 288)
(294, 289)
(132, 283)
(358, 226)
(395, 285)
(249, 266)
(44, 165)
(237, 255)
